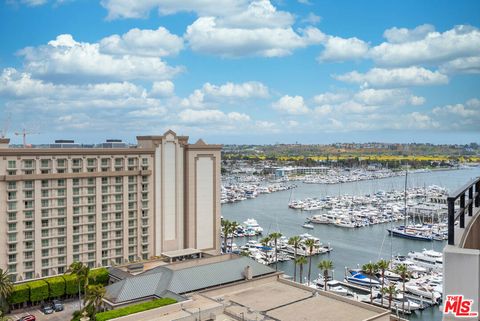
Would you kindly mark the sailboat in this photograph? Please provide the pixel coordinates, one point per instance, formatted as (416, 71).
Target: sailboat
(405, 231)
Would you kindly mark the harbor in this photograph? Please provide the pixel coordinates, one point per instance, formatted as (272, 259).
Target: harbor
(352, 247)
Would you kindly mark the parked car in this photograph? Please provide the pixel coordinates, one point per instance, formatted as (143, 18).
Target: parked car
(28, 317)
(57, 305)
(47, 309)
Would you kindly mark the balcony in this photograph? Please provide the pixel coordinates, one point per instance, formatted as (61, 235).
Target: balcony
(461, 268)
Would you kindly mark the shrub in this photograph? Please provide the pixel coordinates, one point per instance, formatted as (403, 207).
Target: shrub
(20, 294)
(56, 286)
(38, 290)
(112, 314)
(98, 276)
(71, 284)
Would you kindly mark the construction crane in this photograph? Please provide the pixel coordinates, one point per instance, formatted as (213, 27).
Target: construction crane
(24, 133)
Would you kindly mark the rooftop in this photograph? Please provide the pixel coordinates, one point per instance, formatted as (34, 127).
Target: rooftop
(175, 279)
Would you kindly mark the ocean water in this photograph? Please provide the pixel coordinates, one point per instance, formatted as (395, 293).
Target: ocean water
(351, 247)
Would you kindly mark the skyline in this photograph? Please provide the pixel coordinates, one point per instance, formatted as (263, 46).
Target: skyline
(247, 72)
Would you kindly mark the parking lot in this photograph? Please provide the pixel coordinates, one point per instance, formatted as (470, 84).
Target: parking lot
(65, 315)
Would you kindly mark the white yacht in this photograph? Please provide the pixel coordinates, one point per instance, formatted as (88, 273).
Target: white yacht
(319, 219)
(252, 224)
(430, 259)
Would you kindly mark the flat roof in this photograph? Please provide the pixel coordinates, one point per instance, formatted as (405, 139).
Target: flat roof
(182, 252)
(277, 299)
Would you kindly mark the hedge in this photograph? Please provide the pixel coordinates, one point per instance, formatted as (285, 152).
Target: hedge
(38, 290)
(20, 294)
(56, 286)
(98, 276)
(112, 314)
(71, 284)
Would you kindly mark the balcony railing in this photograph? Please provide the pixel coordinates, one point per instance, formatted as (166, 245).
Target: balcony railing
(466, 206)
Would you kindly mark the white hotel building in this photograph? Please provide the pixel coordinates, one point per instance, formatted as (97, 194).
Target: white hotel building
(106, 205)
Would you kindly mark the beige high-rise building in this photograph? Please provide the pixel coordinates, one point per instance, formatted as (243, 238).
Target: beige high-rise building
(107, 204)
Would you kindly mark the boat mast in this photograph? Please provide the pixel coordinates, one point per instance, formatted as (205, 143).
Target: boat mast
(405, 196)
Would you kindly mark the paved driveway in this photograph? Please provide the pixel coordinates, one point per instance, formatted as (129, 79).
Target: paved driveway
(65, 315)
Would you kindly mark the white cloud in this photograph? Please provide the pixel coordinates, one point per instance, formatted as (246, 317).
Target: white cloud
(458, 110)
(18, 84)
(397, 77)
(21, 85)
(468, 65)
(206, 36)
(195, 100)
(423, 45)
(293, 105)
(141, 9)
(266, 126)
(402, 35)
(238, 117)
(341, 49)
(323, 110)
(68, 60)
(251, 89)
(32, 3)
(330, 98)
(258, 14)
(149, 112)
(208, 116)
(391, 97)
(312, 19)
(150, 43)
(164, 88)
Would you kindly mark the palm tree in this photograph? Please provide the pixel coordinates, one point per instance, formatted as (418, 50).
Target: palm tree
(310, 244)
(325, 266)
(301, 260)
(370, 269)
(265, 241)
(226, 224)
(6, 287)
(275, 236)
(94, 296)
(81, 271)
(402, 270)
(382, 266)
(295, 242)
(391, 290)
(233, 228)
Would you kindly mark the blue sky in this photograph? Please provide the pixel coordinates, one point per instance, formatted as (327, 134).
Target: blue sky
(239, 71)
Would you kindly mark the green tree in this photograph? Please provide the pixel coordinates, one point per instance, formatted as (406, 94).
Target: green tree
(275, 236)
(94, 296)
(391, 290)
(295, 242)
(226, 228)
(81, 271)
(370, 269)
(325, 266)
(310, 243)
(233, 228)
(38, 290)
(402, 270)
(20, 294)
(301, 260)
(382, 266)
(6, 287)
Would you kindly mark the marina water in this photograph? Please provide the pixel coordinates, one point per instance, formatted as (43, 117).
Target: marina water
(352, 247)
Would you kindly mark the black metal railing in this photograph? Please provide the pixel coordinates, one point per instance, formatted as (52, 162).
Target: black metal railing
(465, 206)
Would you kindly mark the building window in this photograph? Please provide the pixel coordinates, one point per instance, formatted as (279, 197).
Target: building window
(12, 164)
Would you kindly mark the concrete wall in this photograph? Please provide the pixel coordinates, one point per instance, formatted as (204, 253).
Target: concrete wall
(461, 275)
